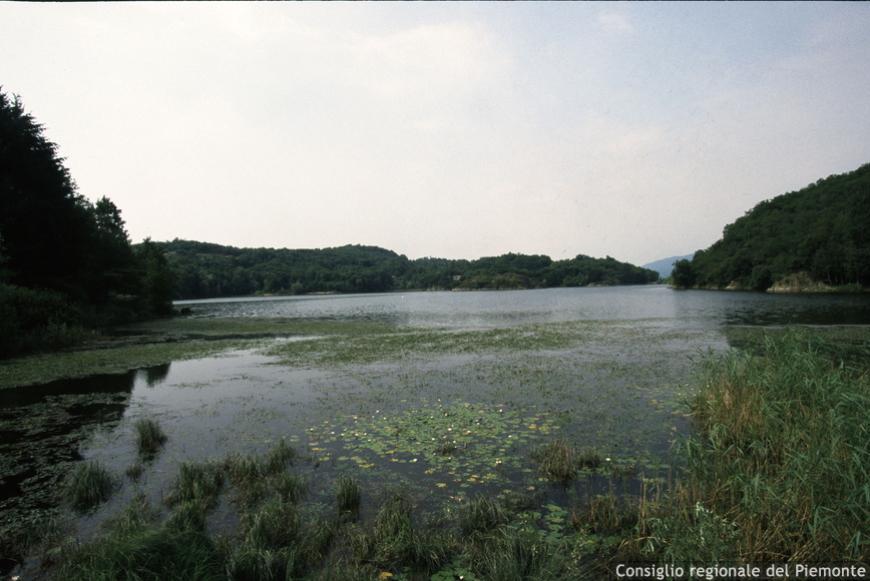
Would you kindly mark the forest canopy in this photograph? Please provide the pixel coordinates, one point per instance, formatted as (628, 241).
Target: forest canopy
(66, 264)
(203, 270)
(818, 234)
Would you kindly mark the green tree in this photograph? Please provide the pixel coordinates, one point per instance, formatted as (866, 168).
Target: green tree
(156, 279)
(683, 274)
(45, 223)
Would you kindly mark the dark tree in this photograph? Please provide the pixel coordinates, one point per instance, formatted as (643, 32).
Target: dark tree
(65, 263)
(44, 223)
(683, 275)
(820, 231)
(156, 279)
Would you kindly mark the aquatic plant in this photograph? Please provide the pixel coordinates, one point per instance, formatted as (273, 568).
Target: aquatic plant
(347, 494)
(557, 461)
(279, 457)
(778, 467)
(88, 485)
(289, 487)
(134, 471)
(197, 482)
(481, 514)
(468, 444)
(149, 437)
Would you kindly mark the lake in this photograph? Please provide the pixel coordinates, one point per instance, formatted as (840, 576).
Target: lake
(443, 395)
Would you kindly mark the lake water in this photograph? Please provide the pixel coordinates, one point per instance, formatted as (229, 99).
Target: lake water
(498, 373)
(505, 308)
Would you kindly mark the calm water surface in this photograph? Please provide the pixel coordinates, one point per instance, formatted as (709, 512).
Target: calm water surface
(506, 308)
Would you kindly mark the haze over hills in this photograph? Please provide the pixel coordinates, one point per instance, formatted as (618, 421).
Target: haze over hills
(664, 266)
(816, 238)
(203, 270)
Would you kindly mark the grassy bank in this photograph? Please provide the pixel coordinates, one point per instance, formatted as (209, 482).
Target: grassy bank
(777, 470)
(282, 535)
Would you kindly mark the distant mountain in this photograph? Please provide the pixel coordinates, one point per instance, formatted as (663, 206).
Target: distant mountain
(203, 270)
(664, 266)
(815, 239)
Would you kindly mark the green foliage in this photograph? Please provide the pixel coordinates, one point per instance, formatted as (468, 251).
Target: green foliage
(481, 514)
(144, 552)
(683, 275)
(149, 437)
(820, 230)
(63, 248)
(210, 270)
(779, 467)
(34, 320)
(348, 495)
(197, 482)
(88, 485)
(559, 461)
(156, 279)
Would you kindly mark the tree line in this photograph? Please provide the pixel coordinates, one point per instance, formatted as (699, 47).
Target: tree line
(203, 270)
(66, 264)
(819, 232)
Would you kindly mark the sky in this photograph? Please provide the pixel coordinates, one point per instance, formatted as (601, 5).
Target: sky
(456, 130)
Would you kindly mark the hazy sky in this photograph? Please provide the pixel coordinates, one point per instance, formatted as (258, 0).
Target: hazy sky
(455, 130)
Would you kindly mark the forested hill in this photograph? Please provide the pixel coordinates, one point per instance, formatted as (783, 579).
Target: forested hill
(203, 270)
(818, 236)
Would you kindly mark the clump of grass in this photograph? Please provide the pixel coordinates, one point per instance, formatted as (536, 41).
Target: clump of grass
(392, 536)
(778, 469)
(88, 485)
(189, 515)
(289, 487)
(135, 546)
(251, 563)
(515, 554)
(605, 514)
(481, 514)
(279, 457)
(275, 525)
(244, 470)
(143, 552)
(446, 449)
(134, 471)
(197, 482)
(557, 461)
(279, 543)
(255, 478)
(149, 437)
(588, 459)
(348, 495)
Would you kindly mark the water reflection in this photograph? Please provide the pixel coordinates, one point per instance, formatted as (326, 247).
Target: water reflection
(153, 375)
(42, 428)
(507, 308)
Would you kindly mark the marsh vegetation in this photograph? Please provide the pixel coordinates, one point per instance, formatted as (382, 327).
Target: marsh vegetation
(326, 448)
